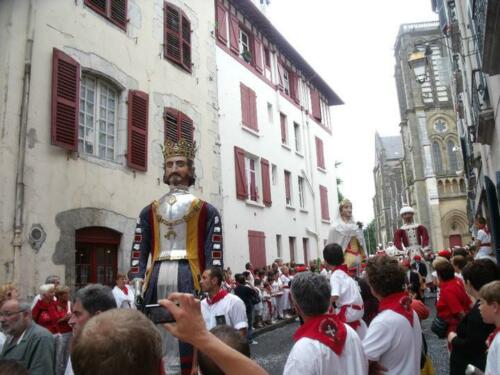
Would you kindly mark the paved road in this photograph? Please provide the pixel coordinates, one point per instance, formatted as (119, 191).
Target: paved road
(273, 347)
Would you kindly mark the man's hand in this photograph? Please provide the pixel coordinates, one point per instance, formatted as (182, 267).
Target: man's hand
(189, 325)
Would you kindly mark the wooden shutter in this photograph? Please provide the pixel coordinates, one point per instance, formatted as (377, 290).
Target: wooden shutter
(118, 13)
(234, 35)
(315, 104)
(138, 112)
(65, 100)
(245, 106)
(287, 187)
(266, 182)
(320, 156)
(98, 6)
(257, 248)
(186, 42)
(239, 168)
(294, 86)
(221, 22)
(323, 194)
(257, 47)
(281, 78)
(172, 43)
(177, 125)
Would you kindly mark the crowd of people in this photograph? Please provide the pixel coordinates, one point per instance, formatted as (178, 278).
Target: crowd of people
(351, 322)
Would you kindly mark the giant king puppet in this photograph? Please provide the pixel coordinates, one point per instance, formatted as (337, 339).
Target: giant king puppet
(349, 235)
(412, 238)
(181, 235)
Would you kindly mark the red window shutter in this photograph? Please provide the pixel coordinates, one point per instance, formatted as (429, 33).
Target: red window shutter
(294, 87)
(283, 128)
(118, 13)
(266, 183)
(177, 126)
(97, 5)
(221, 22)
(315, 104)
(234, 34)
(320, 156)
(65, 100)
(186, 43)
(241, 179)
(172, 42)
(245, 106)
(287, 187)
(323, 194)
(257, 248)
(257, 47)
(281, 79)
(252, 107)
(138, 112)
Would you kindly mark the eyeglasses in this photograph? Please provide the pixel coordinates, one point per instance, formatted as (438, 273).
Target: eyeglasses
(8, 314)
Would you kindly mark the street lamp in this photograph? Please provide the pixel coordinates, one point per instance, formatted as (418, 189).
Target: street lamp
(417, 60)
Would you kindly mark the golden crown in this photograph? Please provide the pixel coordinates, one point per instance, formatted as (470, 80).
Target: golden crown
(181, 148)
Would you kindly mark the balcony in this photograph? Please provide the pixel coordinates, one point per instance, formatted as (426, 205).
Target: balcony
(485, 14)
(482, 112)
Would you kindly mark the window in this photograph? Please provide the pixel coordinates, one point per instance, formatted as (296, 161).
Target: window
(320, 157)
(177, 126)
(177, 34)
(96, 256)
(436, 154)
(315, 104)
(248, 108)
(305, 246)
(302, 202)
(323, 195)
(291, 242)
(267, 58)
(284, 130)
(288, 189)
(252, 178)
(274, 174)
(278, 245)
(114, 10)
(452, 156)
(244, 43)
(98, 118)
(298, 138)
(270, 115)
(286, 81)
(257, 248)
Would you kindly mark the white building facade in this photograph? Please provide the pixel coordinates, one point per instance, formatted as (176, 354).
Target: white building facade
(279, 189)
(91, 88)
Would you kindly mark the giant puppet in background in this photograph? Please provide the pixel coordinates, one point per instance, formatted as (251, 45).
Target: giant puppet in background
(349, 235)
(412, 238)
(181, 235)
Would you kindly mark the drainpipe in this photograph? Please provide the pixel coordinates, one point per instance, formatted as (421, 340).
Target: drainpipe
(23, 124)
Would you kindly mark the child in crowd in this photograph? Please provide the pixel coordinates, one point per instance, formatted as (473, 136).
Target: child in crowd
(345, 291)
(490, 312)
(277, 293)
(258, 308)
(267, 311)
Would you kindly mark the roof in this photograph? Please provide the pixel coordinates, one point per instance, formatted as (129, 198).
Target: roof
(267, 28)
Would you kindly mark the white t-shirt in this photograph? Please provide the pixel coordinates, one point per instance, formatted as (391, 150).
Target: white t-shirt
(231, 307)
(392, 341)
(326, 273)
(124, 301)
(484, 251)
(311, 357)
(346, 288)
(493, 360)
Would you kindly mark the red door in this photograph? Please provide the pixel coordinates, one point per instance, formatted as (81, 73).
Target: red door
(455, 240)
(257, 248)
(291, 241)
(96, 257)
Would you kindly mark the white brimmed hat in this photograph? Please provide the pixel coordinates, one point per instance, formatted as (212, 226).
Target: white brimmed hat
(406, 210)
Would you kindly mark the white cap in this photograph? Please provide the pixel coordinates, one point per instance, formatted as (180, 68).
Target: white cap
(406, 210)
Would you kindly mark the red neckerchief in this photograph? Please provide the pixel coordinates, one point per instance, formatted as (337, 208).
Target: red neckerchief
(220, 295)
(491, 337)
(327, 329)
(125, 290)
(399, 303)
(342, 267)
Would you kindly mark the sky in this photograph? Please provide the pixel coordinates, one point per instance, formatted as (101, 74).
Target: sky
(351, 45)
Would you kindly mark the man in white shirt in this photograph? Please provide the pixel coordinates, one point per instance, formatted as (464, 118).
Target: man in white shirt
(221, 307)
(394, 338)
(345, 291)
(324, 344)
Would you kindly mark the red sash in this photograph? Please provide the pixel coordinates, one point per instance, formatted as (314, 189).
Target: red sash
(355, 324)
(491, 337)
(327, 329)
(220, 295)
(399, 303)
